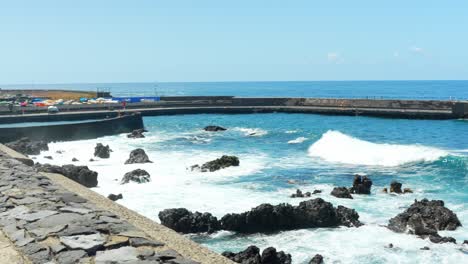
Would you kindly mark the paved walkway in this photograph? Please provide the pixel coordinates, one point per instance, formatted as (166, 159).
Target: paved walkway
(48, 224)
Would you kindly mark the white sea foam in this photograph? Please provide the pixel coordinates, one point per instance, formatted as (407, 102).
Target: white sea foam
(297, 140)
(252, 132)
(291, 131)
(335, 146)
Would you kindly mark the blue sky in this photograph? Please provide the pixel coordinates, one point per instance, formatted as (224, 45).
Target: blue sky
(142, 41)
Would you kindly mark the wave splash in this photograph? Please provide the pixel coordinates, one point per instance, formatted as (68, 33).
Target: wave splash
(335, 146)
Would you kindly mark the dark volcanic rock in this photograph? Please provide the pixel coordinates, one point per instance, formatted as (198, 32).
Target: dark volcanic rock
(251, 255)
(217, 164)
(341, 192)
(102, 151)
(440, 239)
(184, 221)
(214, 128)
(137, 133)
(74, 160)
(308, 214)
(425, 218)
(395, 187)
(115, 197)
(138, 156)
(317, 259)
(81, 174)
(48, 157)
(348, 217)
(138, 176)
(316, 191)
(299, 194)
(361, 185)
(28, 147)
(269, 255)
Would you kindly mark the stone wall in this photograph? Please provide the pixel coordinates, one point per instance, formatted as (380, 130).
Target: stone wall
(75, 131)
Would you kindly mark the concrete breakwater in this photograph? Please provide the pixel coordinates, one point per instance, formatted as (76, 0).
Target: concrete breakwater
(424, 109)
(74, 131)
(48, 218)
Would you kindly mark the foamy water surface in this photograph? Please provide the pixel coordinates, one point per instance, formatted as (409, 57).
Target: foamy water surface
(310, 151)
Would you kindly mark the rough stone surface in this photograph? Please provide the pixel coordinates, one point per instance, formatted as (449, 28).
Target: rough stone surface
(138, 156)
(341, 192)
(299, 194)
(361, 185)
(137, 133)
(217, 164)
(102, 151)
(184, 221)
(251, 255)
(49, 224)
(138, 176)
(28, 147)
(395, 187)
(81, 174)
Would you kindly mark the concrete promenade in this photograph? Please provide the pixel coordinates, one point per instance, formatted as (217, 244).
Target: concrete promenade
(47, 218)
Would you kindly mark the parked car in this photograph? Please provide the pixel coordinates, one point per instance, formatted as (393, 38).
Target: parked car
(52, 109)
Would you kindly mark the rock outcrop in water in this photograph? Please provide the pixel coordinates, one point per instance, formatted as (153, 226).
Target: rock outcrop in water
(138, 156)
(251, 255)
(184, 221)
(217, 164)
(299, 194)
(395, 187)
(28, 147)
(263, 218)
(137, 133)
(138, 176)
(81, 174)
(361, 185)
(308, 214)
(341, 192)
(317, 259)
(425, 218)
(214, 128)
(102, 151)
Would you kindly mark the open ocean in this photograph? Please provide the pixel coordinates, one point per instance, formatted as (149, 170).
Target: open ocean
(317, 152)
(443, 90)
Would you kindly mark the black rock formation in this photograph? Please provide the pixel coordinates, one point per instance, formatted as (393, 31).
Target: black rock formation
(137, 133)
(217, 164)
(395, 187)
(81, 174)
(138, 176)
(251, 255)
(28, 147)
(317, 259)
(361, 185)
(341, 192)
(214, 128)
(115, 197)
(138, 156)
(184, 221)
(102, 151)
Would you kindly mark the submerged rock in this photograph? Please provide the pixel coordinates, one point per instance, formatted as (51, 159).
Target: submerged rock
(27, 147)
(74, 160)
(102, 151)
(138, 156)
(81, 174)
(308, 214)
(48, 157)
(184, 221)
(138, 176)
(214, 128)
(137, 133)
(440, 239)
(251, 255)
(425, 218)
(361, 185)
(341, 192)
(317, 259)
(115, 197)
(217, 164)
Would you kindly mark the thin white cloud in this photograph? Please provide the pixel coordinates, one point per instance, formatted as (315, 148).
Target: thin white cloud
(417, 49)
(334, 57)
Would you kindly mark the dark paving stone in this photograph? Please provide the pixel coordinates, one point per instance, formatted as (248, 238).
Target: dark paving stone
(71, 256)
(138, 242)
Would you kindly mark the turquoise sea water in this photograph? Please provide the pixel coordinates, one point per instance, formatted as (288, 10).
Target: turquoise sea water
(314, 152)
(349, 89)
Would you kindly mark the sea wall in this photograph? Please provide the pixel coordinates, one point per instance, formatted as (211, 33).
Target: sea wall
(75, 131)
(460, 109)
